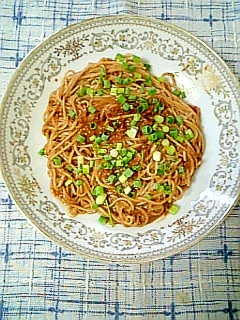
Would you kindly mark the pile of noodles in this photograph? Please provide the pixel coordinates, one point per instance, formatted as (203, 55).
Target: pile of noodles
(121, 142)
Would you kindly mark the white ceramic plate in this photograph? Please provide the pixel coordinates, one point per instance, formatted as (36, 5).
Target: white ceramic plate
(208, 84)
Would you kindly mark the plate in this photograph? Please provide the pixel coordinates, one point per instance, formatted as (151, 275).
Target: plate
(199, 71)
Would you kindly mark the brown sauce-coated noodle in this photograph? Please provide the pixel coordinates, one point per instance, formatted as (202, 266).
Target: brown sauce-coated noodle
(121, 141)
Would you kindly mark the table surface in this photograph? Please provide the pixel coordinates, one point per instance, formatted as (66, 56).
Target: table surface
(40, 280)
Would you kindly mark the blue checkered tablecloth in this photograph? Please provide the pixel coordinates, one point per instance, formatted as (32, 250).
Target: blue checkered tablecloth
(39, 280)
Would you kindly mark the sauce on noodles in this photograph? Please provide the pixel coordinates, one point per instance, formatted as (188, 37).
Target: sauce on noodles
(121, 142)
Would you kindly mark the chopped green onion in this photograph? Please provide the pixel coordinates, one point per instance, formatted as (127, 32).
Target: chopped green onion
(57, 161)
(146, 129)
(93, 125)
(85, 169)
(132, 97)
(112, 178)
(113, 91)
(114, 153)
(147, 66)
(98, 190)
(90, 92)
(122, 178)
(148, 196)
(152, 91)
(101, 199)
(119, 189)
(69, 168)
(91, 109)
(128, 67)
(106, 84)
(160, 134)
(103, 220)
(174, 209)
(158, 187)
(119, 80)
(158, 118)
(158, 105)
(132, 132)
(119, 163)
(72, 114)
(121, 90)
(127, 189)
(180, 138)
(100, 92)
(156, 155)
(41, 152)
(137, 183)
(92, 138)
(81, 92)
(121, 99)
(165, 143)
(181, 94)
(136, 59)
(95, 206)
(163, 168)
(126, 106)
(189, 134)
(109, 128)
(101, 151)
(181, 170)
(98, 140)
(136, 117)
(153, 137)
(102, 71)
(100, 81)
(104, 137)
(162, 79)
(165, 128)
(80, 160)
(119, 57)
(127, 81)
(170, 119)
(174, 133)
(68, 182)
(80, 138)
(137, 75)
(79, 183)
(179, 120)
(91, 163)
(119, 145)
(171, 150)
(136, 167)
(128, 172)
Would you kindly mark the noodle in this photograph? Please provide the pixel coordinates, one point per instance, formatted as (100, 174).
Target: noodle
(121, 141)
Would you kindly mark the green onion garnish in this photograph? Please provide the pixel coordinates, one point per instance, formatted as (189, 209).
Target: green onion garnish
(112, 178)
(85, 169)
(80, 138)
(90, 92)
(41, 152)
(174, 209)
(72, 114)
(57, 161)
(93, 125)
(79, 183)
(103, 220)
(189, 134)
(132, 132)
(146, 129)
(81, 92)
(91, 109)
(137, 183)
